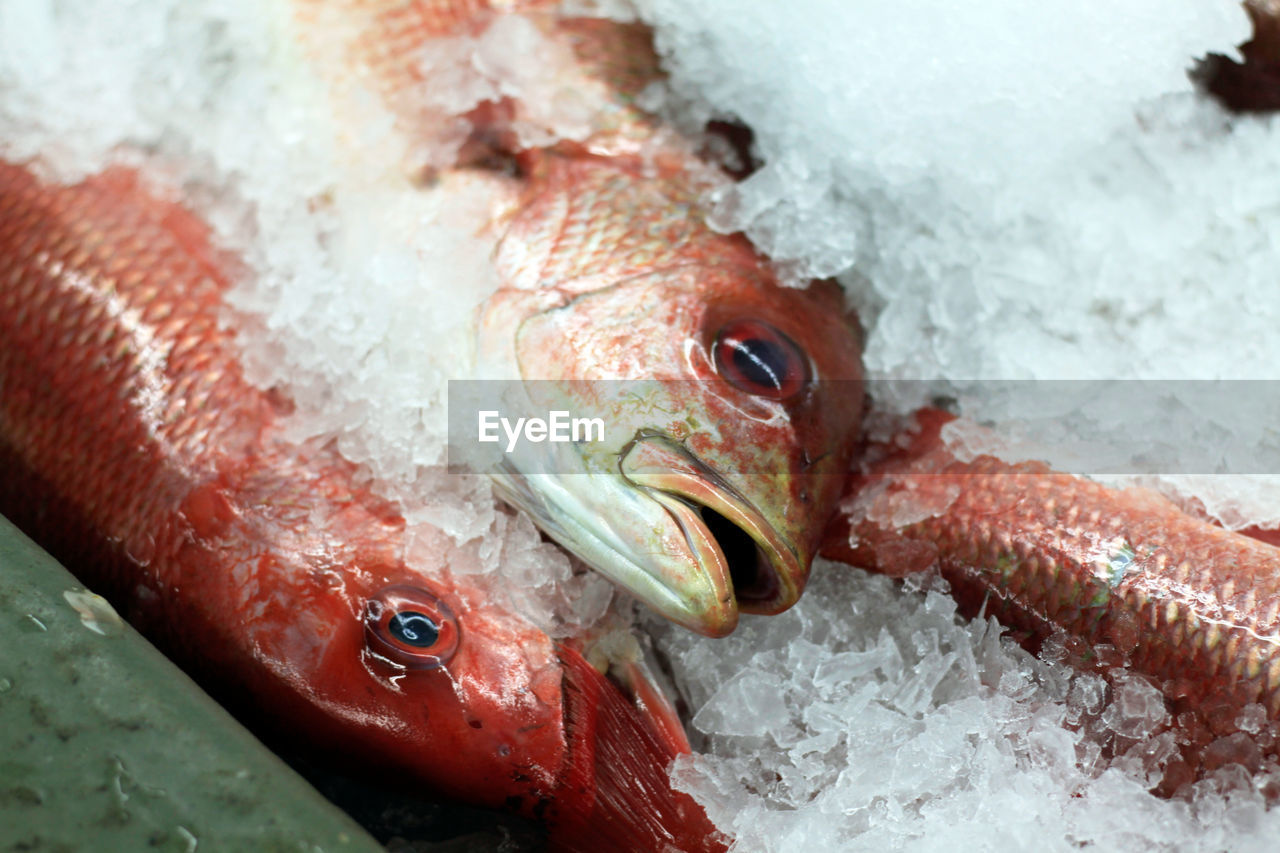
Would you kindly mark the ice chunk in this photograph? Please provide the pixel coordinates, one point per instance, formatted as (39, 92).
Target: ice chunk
(749, 704)
(1137, 709)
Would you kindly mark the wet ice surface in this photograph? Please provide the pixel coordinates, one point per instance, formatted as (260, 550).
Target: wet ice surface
(871, 718)
(1005, 194)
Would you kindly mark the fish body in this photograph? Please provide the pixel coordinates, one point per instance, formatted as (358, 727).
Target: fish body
(1119, 577)
(134, 449)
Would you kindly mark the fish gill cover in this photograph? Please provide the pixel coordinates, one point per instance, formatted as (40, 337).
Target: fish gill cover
(1006, 193)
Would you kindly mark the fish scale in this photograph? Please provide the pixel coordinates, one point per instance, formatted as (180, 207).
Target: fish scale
(90, 313)
(249, 557)
(607, 219)
(1123, 576)
(708, 501)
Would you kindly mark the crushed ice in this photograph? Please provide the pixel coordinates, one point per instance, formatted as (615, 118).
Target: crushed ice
(1006, 194)
(872, 718)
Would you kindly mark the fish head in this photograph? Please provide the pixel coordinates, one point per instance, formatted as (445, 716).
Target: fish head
(425, 675)
(730, 406)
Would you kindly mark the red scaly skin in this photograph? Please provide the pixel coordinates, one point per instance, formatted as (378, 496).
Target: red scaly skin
(1127, 577)
(134, 449)
(609, 272)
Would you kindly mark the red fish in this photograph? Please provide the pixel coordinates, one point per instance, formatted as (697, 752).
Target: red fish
(728, 396)
(134, 449)
(1126, 577)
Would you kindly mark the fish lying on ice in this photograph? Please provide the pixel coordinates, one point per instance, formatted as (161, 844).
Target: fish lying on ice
(133, 448)
(732, 401)
(1121, 578)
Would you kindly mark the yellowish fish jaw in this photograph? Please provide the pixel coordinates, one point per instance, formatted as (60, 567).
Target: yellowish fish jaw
(632, 539)
(724, 527)
(663, 525)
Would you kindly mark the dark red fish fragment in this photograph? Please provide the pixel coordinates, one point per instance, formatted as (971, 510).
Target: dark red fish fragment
(615, 796)
(1251, 86)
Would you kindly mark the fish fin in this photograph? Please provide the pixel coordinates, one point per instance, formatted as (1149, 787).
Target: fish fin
(616, 793)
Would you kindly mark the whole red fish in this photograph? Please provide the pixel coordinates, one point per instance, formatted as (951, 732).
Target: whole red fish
(1124, 577)
(133, 448)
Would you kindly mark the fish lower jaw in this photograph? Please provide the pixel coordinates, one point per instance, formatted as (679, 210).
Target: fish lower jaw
(726, 535)
(724, 550)
(678, 574)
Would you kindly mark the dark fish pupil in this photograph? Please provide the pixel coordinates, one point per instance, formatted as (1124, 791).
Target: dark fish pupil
(414, 629)
(761, 362)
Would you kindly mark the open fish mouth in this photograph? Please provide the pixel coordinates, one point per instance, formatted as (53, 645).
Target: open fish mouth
(739, 552)
(755, 581)
(668, 528)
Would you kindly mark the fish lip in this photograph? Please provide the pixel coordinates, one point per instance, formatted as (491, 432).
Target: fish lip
(688, 489)
(702, 603)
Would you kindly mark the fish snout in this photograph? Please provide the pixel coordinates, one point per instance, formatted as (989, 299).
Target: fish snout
(742, 557)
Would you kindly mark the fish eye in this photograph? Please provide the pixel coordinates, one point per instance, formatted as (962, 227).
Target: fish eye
(411, 627)
(760, 360)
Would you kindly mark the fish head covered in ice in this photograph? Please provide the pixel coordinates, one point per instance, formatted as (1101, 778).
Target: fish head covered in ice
(709, 493)
(429, 676)
(410, 667)
(729, 403)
